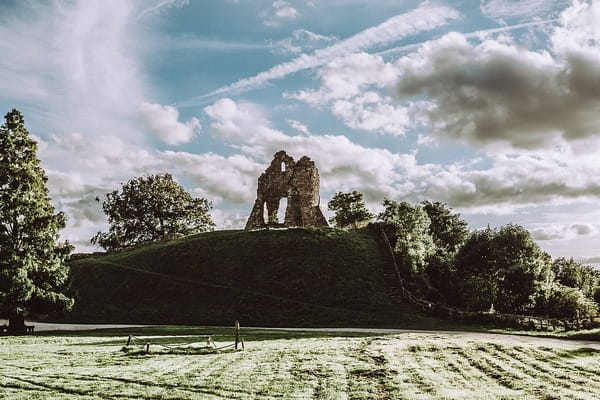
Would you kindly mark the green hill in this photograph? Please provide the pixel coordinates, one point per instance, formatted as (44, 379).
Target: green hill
(299, 277)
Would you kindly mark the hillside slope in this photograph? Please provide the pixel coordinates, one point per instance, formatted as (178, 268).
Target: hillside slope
(300, 277)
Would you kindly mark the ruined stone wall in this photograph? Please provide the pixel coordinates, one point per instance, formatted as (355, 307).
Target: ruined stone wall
(299, 183)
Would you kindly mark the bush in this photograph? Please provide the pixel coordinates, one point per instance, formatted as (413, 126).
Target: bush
(566, 302)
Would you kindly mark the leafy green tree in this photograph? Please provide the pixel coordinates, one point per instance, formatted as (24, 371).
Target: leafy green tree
(350, 210)
(414, 243)
(509, 267)
(449, 230)
(570, 273)
(32, 261)
(151, 208)
(569, 302)
(449, 233)
(477, 274)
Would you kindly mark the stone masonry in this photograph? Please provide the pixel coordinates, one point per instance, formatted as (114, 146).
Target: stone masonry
(299, 183)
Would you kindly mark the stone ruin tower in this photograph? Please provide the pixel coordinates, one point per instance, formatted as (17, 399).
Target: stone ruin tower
(299, 183)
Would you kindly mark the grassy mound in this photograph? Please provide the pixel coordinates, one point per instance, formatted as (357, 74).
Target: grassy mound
(300, 277)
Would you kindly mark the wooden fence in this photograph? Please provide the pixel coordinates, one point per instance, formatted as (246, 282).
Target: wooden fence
(488, 318)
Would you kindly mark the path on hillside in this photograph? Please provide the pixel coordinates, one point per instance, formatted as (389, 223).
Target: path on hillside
(47, 327)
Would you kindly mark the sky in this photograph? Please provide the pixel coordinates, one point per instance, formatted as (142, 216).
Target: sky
(491, 106)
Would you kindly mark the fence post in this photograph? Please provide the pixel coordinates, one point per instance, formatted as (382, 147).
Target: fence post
(147, 347)
(237, 334)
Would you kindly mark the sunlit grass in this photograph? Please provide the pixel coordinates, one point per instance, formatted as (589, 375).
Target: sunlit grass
(295, 365)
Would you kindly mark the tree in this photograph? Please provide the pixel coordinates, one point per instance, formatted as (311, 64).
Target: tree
(350, 210)
(569, 272)
(414, 244)
(569, 302)
(449, 230)
(32, 261)
(508, 266)
(151, 208)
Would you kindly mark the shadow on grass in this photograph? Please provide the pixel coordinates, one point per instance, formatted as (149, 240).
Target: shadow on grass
(177, 335)
(137, 387)
(580, 352)
(140, 351)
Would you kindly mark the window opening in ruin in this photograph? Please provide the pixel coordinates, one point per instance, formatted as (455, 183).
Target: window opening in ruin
(282, 210)
(265, 213)
(283, 166)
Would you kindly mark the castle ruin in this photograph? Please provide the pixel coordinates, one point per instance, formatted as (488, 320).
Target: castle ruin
(298, 182)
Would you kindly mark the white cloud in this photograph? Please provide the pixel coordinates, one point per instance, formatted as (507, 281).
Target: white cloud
(163, 121)
(190, 42)
(502, 9)
(517, 181)
(372, 112)
(423, 18)
(218, 178)
(564, 232)
(163, 5)
(301, 41)
(75, 186)
(280, 10)
(299, 126)
(343, 165)
(497, 93)
(511, 182)
(73, 67)
(351, 87)
(479, 34)
(348, 76)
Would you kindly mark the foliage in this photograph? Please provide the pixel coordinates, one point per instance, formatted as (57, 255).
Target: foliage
(414, 243)
(502, 267)
(151, 208)
(32, 262)
(350, 210)
(440, 273)
(569, 302)
(570, 273)
(449, 230)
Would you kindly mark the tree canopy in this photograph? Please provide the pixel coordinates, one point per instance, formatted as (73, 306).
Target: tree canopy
(32, 261)
(350, 210)
(570, 273)
(151, 208)
(503, 267)
(448, 229)
(414, 243)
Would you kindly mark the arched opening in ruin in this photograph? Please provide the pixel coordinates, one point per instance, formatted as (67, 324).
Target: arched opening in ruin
(283, 166)
(282, 209)
(265, 213)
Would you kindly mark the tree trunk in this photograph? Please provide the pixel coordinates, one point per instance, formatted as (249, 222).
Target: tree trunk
(16, 324)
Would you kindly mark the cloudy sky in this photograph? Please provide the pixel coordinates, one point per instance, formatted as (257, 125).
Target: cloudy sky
(490, 106)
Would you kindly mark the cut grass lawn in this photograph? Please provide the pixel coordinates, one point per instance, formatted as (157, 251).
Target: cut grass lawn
(295, 365)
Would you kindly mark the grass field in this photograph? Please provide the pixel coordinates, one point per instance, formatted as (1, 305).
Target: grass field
(296, 365)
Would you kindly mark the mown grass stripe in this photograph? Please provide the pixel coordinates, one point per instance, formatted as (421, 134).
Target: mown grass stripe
(534, 382)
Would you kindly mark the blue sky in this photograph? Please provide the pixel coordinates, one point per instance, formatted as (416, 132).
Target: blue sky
(491, 106)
